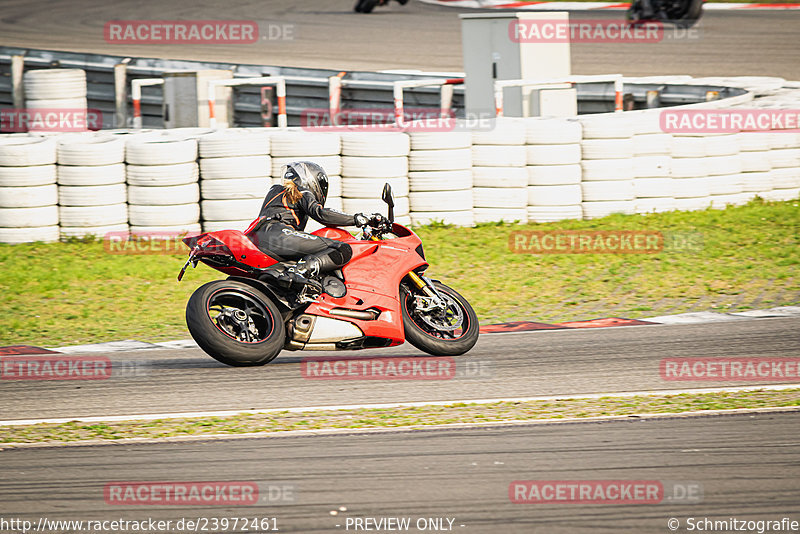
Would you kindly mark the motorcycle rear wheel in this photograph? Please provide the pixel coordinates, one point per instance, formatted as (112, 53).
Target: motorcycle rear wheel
(424, 335)
(235, 323)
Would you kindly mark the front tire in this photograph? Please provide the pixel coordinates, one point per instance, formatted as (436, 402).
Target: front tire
(235, 323)
(421, 331)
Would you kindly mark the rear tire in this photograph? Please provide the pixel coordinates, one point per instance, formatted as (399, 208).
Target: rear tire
(426, 338)
(235, 323)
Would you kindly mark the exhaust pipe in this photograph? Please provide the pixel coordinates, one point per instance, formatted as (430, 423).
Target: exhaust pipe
(366, 315)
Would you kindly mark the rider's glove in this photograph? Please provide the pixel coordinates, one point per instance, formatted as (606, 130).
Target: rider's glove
(361, 219)
(376, 220)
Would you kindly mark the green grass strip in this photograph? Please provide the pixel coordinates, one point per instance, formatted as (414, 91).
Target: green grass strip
(400, 417)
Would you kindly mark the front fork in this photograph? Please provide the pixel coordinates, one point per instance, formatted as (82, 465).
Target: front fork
(426, 286)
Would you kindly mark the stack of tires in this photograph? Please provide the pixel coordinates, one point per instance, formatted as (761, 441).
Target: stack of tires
(91, 185)
(724, 170)
(235, 170)
(652, 164)
(607, 166)
(553, 156)
(690, 179)
(55, 89)
(754, 154)
(28, 190)
(369, 160)
(163, 190)
(499, 176)
(320, 147)
(784, 157)
(440, 178)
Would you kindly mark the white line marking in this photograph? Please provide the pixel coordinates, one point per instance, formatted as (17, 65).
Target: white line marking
(302, 409)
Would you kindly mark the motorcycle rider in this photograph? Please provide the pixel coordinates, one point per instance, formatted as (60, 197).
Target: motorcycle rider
(284, 215)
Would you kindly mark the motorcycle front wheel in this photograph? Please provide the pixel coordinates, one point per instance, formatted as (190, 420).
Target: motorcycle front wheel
(449, 332)
(235, 323)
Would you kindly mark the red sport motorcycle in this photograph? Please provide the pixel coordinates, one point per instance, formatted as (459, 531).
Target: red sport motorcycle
(379, 299)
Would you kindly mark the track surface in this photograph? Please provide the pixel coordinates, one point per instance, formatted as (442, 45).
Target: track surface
(501, 365)
(327, 34)
(747, 467)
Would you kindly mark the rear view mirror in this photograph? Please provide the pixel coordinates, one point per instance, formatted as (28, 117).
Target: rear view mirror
(388, 197)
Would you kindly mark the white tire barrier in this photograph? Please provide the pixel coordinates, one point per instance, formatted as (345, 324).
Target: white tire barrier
(28, 197)
(91, 176)
(722, 145)
(608, 191)
(780, 195)
(652, 166)
(785, 178)
(594, 210)
(606, 148)
(334, 186)
(554, 195)
(439, 140)
(498, 197)
(554, 174)
(228, 210)
(722, 165)
(552, 131)
(91, 195)
(780, 158)
(161, 216)
(161, 175)
(502, 131)
(565, 154)
(653, 187)
(369, 205)
(689, 147)
(440, 160)
(177, 229)
(688, 167)
(54, 84)
(331, 164)
(419, 181)
(28, 217)
(300, 145)
(235, 167)
(364, 167)
(499, 156)
(607, 126)
(719, 202)
(233, 143)
(692, 204)
(15, 236)
(781, 139)
(725, 184)
(697, 187)
(543, 214)
(92, 216)
(754, 141)
(755, 161)
(455, 218)
(27, 151)
(490, 215)
(386, 144)
(372, 188)
(441, 201)
(148, 149)
(757, 182)
(652, 144)
(237, 188)
(163, 195)
(503, 177)
(29, 176)
(607, 169)
(93, 231)
(654, 205)
(85, 150)
(241, 225)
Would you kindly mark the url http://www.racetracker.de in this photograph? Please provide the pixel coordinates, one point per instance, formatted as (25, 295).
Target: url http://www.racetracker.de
(195, 524)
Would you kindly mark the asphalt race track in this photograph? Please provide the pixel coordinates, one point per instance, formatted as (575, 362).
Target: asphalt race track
(744, 466)
(327, 34)
(501, 365)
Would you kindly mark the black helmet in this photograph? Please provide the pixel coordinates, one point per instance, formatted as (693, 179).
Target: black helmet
(309, 176)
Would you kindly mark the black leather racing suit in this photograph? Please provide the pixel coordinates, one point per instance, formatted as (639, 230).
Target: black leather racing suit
(281, 232)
